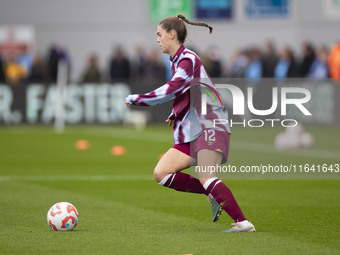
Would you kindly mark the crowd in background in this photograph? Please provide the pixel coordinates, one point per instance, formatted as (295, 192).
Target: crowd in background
(148, 68)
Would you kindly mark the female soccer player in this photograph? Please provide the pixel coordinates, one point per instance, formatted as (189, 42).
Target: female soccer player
(209, 144)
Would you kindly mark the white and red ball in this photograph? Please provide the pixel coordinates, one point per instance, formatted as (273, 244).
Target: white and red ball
(62, 216)
(295, 130)
(280, 142)
(307, 140)
(294, 141)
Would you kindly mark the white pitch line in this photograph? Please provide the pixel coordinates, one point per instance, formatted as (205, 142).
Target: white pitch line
(78, 178)
(265, 148)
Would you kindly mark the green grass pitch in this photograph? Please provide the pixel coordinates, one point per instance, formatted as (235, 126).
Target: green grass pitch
(122, 210)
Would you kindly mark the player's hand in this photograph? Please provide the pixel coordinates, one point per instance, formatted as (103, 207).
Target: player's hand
(128, 103)
(170, 122)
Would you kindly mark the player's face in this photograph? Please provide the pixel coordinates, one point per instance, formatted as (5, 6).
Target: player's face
(163, 39)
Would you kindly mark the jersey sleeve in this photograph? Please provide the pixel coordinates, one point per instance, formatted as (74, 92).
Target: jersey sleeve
(178, 85)
(172, 115)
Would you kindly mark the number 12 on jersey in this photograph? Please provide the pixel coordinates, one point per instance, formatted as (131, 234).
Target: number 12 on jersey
(209, 135)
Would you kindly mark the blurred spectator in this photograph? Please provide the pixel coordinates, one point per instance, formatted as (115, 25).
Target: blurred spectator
(53, 60)
(243, 63)
(254, 67)
(167, 64)
(319, 68)
(14, 73)
(212, 63)
(307, 59)
(56, 54)
(334, 61)
(92, 72)
(39, 72)
(2, 67)
(138, 63)
(238, 64)
(285, 67)
(119, 66)
(25, 60)
(269, 59)
(154, 71)
(154, 77)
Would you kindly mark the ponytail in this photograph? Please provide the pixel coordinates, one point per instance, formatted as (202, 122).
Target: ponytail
(176, 23)
(202, 24)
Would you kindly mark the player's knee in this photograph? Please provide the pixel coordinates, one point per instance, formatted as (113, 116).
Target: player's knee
(158, 175)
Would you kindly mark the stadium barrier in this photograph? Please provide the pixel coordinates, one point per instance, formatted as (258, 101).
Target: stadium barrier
(87, 103)
(104, 103)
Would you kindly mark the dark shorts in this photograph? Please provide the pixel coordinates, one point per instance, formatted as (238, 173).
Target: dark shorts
(210, 139)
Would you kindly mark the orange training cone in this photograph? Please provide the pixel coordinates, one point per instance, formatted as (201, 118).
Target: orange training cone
(82, 145)
(118, 150)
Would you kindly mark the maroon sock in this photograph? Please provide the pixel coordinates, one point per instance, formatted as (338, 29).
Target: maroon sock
(183, 182)
(225, 198)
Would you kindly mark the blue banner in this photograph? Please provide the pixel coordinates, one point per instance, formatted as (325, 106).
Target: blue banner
(268, 8)
(213, 9)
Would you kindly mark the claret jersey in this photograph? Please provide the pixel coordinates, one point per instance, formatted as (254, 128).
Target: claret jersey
(186, 67)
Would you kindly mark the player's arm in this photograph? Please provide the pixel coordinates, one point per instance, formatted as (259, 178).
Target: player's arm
(179, 84)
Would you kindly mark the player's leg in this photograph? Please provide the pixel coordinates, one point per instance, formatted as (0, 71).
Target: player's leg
(215, 186)
(220, 191)
(167, 172)
(172, 177)
(216, 208)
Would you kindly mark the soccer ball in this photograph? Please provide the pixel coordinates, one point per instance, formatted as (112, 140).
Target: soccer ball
(280, 142)
(294, 140)
(297, 130)
(62, 216)
(307, 140)
(287, 141)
